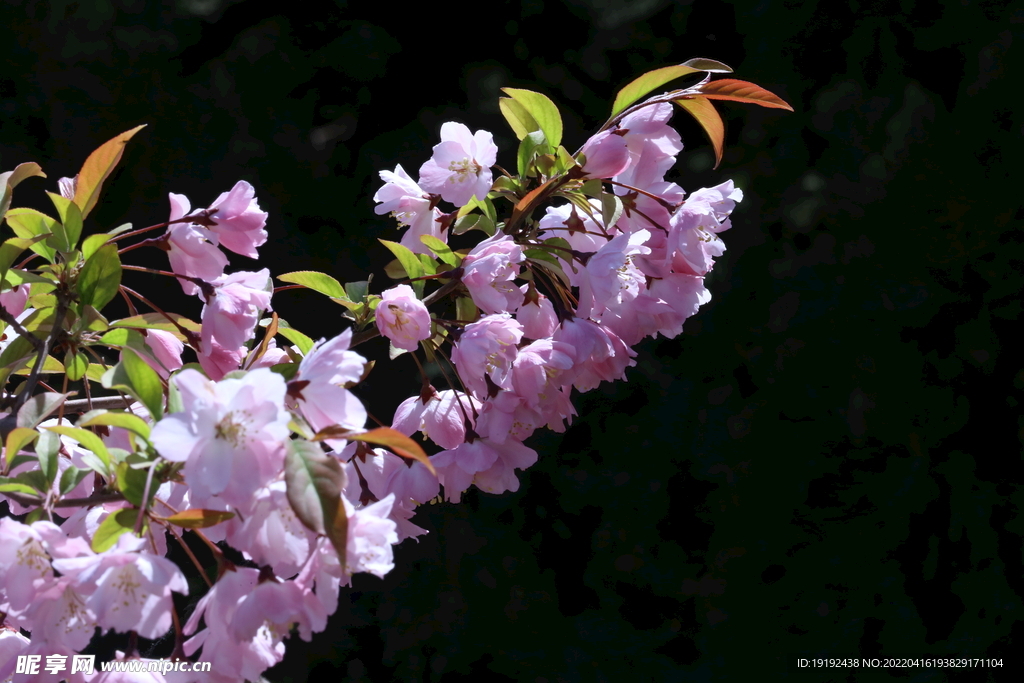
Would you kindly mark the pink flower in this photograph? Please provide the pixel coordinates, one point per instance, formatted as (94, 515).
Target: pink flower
(192, 249)
(13, 300)
(232, 659)
(487, 464)
(230, 435)
(230, 315)
(488, 271)
(218, 361)
(162, 353)
(442, 419)
(610, 276)
(316, 386)
(403, 318)
(406, 202)
(537, 316)
(238, 221)
(271, 534)
(460, 168)
(486, 349)
(128, 590)
(370, 536)
(606, 155)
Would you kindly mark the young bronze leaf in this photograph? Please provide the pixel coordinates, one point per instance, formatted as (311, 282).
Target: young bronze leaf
(396, 441)
(97, 168)
(199, 519)
(742, 91)
(702, 110)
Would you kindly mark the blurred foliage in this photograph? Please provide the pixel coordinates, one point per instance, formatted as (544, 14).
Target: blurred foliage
(827, 462)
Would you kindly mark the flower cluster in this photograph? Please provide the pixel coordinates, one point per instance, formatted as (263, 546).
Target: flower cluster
(264, 448)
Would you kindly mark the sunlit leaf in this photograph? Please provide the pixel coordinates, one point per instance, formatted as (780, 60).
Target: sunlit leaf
(528, 150)
(48, 452)
(441, 250)
(199, 519)
(395, 441)
(72, 477)
(318, 282)
(158, 321)
(38, 408)
(70, 227)
(653, 80)
(18, 439)
(88, 440)
(97, 168)
(112, 527)
(519, 119)
(543, 111)
(29, 223)
(742, 91)
(132, 423)
(295, 337)
(100, 277)
(11, 179)
(709, 119)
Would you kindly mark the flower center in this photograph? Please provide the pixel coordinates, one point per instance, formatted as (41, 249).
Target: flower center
(463, 170)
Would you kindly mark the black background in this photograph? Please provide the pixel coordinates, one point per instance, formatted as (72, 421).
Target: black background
(827, 462)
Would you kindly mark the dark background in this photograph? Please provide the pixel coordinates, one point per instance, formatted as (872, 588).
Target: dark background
(827, 462)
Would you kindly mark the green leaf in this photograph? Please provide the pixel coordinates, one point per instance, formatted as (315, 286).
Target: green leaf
(651, 80)
(486, 206)
(136, 376)
(396, 441)
(318, 282)
(97, 168)
(199, 519)
(702, 110)
(13, 485)
(11, 179)
(112, 527)
(100, 277)
(465, 309)
(71, 478)
(543, 111)
(429, 264)
(158, 321)
(441, 250)
(12, 248)
(75, 365)
(528, 150)
(14, 357)
(314, 483)
(133, 423)
(295, 337)
(88, 440)
(519, 119)
(92, 243)
(357, 291)
(29, 223)
(132, 482)
(67, 232)
(38, 408)
(15, 277)
(18, 439)
(48, 452)
(411, 264)
(611, 210)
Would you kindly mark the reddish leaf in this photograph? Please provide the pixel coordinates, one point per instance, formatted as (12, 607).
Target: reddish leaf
(199, 519)
(97, 168)
(742, 91)
(702, 110)
(526, 204)
(396, 441)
